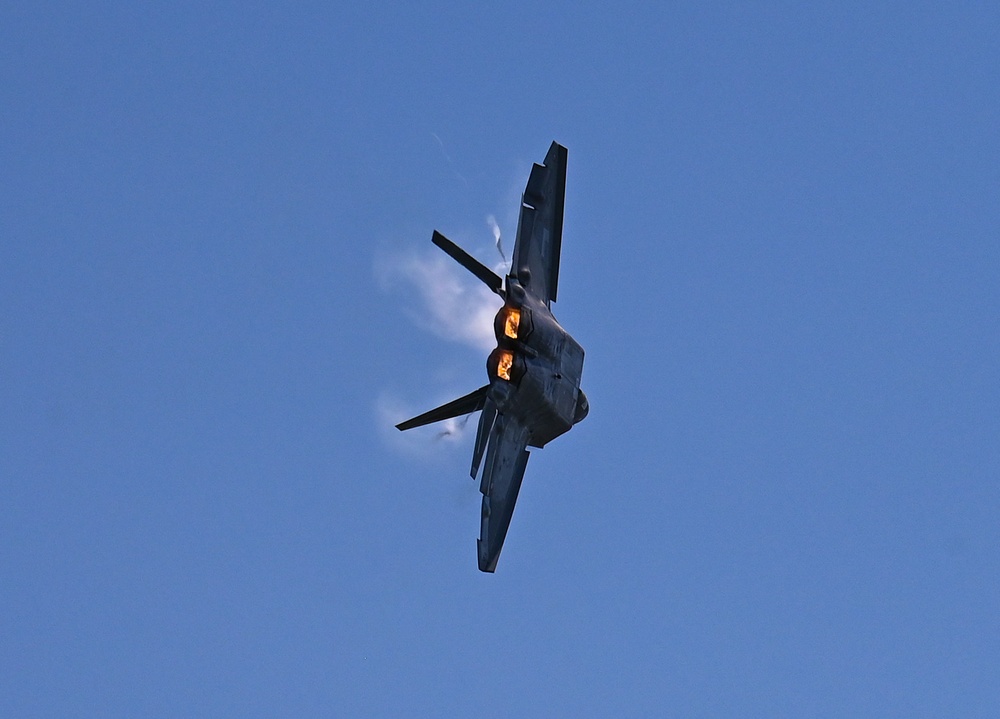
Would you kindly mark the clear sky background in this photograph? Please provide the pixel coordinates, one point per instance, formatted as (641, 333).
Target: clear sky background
(780, 253)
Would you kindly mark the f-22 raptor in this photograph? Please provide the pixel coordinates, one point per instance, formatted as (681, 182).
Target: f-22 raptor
(534, 394)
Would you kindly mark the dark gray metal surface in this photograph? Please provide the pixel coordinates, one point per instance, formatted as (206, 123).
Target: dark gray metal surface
(534, 392)
(539, 228)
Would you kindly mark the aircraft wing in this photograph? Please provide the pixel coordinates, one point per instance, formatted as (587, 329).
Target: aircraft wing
(539, 229)
(506, 458)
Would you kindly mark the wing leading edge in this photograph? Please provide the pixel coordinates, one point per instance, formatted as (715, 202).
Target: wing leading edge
(539, 228)
(506, 458)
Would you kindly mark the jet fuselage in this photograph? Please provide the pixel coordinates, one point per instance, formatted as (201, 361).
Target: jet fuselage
(541, 386)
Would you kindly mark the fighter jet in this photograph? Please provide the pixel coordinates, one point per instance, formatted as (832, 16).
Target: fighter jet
(534, 394)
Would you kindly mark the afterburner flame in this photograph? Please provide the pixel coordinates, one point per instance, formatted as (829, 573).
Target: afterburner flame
(504, 364)
(512, 322)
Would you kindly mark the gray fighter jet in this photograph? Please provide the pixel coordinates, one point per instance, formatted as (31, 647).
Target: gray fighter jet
(534, 391)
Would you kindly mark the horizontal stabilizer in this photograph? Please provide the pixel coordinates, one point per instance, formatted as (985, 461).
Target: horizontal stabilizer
(471, 402)
(490, 278)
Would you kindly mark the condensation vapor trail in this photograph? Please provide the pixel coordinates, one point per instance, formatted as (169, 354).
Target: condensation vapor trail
(492, 221)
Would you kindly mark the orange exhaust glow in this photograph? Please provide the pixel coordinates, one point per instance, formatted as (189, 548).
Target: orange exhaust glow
(512, 322)
(504, 364)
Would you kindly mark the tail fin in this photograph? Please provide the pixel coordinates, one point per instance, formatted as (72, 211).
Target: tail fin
(490, 278)
(471, 402)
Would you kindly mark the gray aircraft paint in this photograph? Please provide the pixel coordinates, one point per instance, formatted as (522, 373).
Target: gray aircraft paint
(540, 397)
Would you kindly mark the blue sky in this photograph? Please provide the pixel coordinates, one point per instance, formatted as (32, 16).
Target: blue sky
(780, 253)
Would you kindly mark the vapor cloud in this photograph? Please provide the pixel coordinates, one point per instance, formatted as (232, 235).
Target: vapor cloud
(452, 303)
(492, 222)
(446, 300)
(419, 442)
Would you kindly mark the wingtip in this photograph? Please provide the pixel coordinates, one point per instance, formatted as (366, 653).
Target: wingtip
(487, 564)
(556, 152)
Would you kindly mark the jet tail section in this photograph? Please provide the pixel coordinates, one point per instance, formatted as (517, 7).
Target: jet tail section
(471, 402)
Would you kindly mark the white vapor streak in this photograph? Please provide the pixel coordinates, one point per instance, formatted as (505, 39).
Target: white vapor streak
(417, 442)
(492, 222)
(445, 299)
(452, 307)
